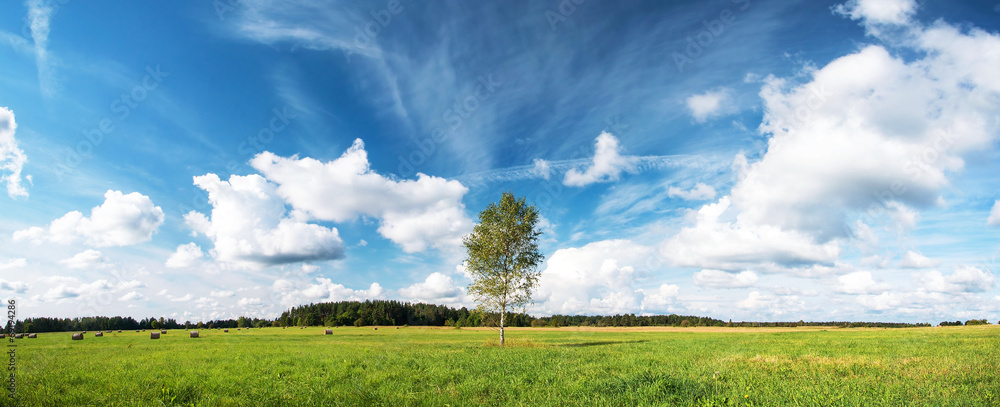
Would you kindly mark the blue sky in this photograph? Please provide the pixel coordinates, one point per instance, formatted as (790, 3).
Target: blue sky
(736, 159)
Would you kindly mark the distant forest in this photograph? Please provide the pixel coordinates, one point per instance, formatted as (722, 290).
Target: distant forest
(389, 313)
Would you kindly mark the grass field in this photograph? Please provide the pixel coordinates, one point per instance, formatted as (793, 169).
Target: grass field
(421, 366)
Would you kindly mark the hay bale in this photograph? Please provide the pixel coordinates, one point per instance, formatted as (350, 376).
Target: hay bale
(328, 332)
(77, 337)
(32, 336)
(3, 336)
(237, 329)
(99, 334)
(225, 330)
(119, 331)
(18, 336)
(137, 330)
(375, 328)
(397, 327)
(154, 335)
(84, 332)
(163, 331)
(194, 334)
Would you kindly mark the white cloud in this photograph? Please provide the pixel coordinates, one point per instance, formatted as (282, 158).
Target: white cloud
(879, 11)
(416, 214)
(722, 279)
(882, 302)
(221, 293)
(869, 136)
(186, 255)
(39, 14)
(599, 278)
(715, 243)
(436, 288)
(914, 260)
(710, 104)
(323, 291)
(185, 298)
(86, 259)
(13, 264)
(121, 220)
(249, 225)
(132, 296)
(994, 219)
(70, 288)
(15, 286)
(249, 302)
(660, 299)
(12, 158)
(699, 192)
(859, 282)
(962, 280)
(542, 168)
(607, 165)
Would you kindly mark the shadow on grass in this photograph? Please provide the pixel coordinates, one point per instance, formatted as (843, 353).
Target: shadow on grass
(598, 343)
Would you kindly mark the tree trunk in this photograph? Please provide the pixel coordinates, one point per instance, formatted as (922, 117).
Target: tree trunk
(501, 327)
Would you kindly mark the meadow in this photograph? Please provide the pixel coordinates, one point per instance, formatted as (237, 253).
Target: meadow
(953, 366)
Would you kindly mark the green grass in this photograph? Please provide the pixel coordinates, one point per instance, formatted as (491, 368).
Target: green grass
(410, 366)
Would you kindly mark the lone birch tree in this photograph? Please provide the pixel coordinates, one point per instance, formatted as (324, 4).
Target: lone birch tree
(503, 257)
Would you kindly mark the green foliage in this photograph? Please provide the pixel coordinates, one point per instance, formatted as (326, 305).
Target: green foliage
(977, 322)
(503, 257)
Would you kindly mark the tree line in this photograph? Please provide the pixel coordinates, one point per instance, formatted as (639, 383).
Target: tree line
(391, 312)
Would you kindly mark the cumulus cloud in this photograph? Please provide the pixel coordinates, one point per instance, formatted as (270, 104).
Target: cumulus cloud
(722, 279)
(186, 255)
(122, 220)
(13, 263)
(132, 296)
(994, 218)
(436, 288)
(415, 214)
(86, 259)
(15, 286)
(661, 299)
(12, 158)
(717, 243)
(70, 288)
(325, 290)
(699, 192)
(859, 282)
(599, 278)
(221, 293)
(914, 260)
(772, 304)
(607, 165)
(895, 12)
(710, 104)
(869, 138)
(962, 280)
(249, 225)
